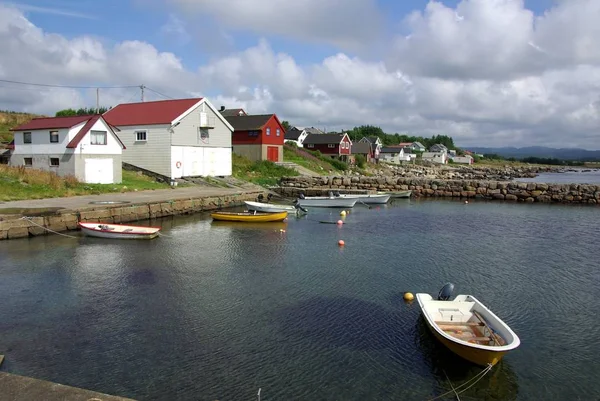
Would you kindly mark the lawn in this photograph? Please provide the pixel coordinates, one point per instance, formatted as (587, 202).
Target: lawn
(17, 183)
(307, 160)
(259, 172)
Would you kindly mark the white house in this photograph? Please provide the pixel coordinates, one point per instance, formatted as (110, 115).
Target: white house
(376, 144)
(174, 138)
(297, 135)
(393, 155)
(83, 146)
(435, 157)
(466, 159)
(438, 147)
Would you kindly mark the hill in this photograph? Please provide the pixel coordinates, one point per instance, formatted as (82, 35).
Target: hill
(11, 119)
(541, 152)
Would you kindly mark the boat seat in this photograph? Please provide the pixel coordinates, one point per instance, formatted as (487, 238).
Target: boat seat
(459, 323)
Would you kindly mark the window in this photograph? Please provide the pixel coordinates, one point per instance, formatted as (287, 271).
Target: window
(203, 134)
(53, 136)
(54, 162)
(310, 145)
(331, 145)
(278, 132)
(252, 133)
(28, 161)
(26, 137)
(268, 131)
(141, 136)
(98, 137)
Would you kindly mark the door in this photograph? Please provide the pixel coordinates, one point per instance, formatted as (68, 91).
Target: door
(99, 171)
(273, 153)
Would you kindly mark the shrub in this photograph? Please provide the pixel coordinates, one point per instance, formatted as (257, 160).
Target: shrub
(361, 160)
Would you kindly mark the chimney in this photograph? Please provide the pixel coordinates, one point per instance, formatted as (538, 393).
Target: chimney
(222, 108)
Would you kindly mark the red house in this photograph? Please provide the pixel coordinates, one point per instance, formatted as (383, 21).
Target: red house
(257, 137)
(333, 145)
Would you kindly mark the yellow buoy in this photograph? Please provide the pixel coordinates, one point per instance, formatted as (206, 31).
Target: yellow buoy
(343, 213)
(408, 296)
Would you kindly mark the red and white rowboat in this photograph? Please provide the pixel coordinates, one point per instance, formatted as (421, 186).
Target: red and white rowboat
(121, 231)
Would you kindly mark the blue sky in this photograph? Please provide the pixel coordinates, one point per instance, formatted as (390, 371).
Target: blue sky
(118, 20)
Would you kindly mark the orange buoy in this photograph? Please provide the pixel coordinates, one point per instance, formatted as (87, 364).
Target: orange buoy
(340, 222)
(341, 242)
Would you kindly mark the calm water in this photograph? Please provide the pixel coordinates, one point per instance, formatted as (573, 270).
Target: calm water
(217, 311)
(588, 177)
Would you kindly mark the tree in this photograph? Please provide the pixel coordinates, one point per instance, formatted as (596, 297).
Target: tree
(81, 112)
(286, 125)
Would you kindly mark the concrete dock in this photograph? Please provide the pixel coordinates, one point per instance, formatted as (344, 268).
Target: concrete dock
(63, 214)
(21, 388)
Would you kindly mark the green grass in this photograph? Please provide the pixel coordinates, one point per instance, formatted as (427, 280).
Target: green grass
(312, 161)
(259, 172)
(18, 183)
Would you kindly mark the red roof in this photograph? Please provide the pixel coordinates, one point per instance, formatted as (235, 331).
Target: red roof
(148, 113)
(51, 122)
(85, 129)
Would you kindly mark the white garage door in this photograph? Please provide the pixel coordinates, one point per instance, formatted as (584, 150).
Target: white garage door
(99, 171)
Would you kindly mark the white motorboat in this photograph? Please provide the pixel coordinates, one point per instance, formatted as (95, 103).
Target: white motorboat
(374, 199)
(326, 201)
(120, 231)
(466, 327)
(398, 194)
(270, 207)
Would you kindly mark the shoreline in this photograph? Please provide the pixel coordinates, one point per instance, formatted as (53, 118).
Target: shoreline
(526, 192)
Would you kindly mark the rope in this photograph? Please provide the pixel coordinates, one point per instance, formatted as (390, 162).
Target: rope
(45, 228)
(478, 376)
(451, 386)
(164, 235)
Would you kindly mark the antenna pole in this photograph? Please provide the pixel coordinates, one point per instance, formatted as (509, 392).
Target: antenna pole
(142, 87)
(97, 100)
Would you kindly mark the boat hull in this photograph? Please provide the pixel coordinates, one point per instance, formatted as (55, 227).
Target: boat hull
(399, 194)
(474, 355)
(94, 230)
(269, 207)
(249, 217)
(375, 199)
(327, 202)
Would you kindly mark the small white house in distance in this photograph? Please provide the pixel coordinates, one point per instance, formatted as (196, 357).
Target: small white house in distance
(83, 146)
(174, 138)
(435, 157)
(393, 155)
(466, 159)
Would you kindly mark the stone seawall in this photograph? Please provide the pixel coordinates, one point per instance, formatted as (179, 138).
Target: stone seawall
(478, 189)
(15, 226)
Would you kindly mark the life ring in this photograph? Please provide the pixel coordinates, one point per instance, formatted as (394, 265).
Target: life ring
(178, 164)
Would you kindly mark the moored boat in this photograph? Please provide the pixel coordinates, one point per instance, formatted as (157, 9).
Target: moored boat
(256, 217)
(466, 327)
(327, 201)
(121, 231)
(374, 199)
(397, 194)
(271, 207)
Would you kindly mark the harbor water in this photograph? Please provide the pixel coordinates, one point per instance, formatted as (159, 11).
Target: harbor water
(217, 311)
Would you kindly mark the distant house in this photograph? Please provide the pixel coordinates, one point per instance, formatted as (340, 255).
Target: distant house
(409, 153)
(363, 148)
(393, 155)
(258, 137)
(417, 147)
(438, 147)
(435, 157)
(466, 159)
(297, 135)
(174, 138)
(333, 145)
(232, 112)
(375, 143)
(86, 147)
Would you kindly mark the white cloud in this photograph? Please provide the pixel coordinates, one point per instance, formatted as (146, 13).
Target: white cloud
(468, 81)
(176, 28)
(350, 24)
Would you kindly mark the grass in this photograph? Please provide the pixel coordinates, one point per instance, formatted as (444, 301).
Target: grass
(259, 172)
(11, 119)
(18, 183)
(321, 165)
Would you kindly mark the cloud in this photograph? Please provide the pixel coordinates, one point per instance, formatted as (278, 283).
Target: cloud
(491, 92)
(175, 28)
(349, 24)
(53, 11)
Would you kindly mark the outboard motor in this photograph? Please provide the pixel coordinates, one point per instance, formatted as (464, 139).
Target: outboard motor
(336, 194)
(298, 207)
(260, 198)
(446, 292)
(301, 196)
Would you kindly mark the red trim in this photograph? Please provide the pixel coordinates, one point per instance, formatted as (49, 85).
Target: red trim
(80, 224)
(51, 122)
(85, 129)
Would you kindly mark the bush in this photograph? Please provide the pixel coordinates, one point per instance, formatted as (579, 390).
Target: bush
(361, 161)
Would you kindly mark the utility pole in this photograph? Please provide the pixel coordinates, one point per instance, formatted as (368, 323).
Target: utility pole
(142, 87)
(97, 100)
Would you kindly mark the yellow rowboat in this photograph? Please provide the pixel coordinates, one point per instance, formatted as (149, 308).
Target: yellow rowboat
(254, 217)
(467, 328)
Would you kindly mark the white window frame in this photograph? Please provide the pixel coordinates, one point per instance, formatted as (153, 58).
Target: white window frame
(268, 131)
(278, 132)
(25, 135)
(137, 135)
(331, 145)
(57, 136)
(310, 145)
(92, 133)
(57, 161)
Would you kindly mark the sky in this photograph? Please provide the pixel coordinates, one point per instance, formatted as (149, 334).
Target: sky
(486, 72)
